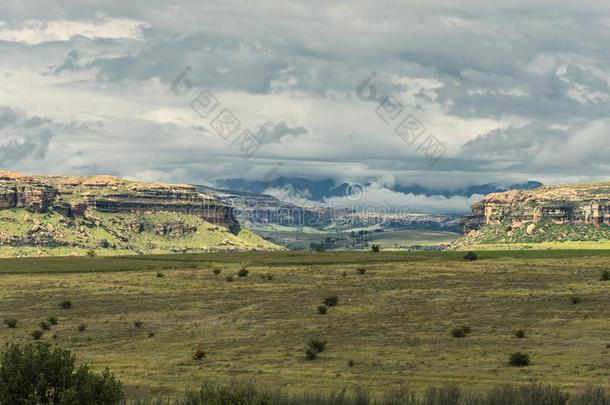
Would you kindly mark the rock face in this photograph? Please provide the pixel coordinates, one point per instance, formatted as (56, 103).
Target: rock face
(74, 215)
(72, 196)
(531, 211)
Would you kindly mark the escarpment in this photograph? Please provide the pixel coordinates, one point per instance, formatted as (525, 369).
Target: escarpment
(72, 196)
(69, 215)
(559, 213)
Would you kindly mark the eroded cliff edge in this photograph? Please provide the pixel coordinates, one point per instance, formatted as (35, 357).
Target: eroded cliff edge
(74, 215)
(579, 212)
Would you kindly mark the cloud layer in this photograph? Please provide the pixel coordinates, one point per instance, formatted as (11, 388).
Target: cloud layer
(512, 91)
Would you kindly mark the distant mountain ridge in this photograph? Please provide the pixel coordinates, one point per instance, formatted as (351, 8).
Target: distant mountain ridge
(319, 190)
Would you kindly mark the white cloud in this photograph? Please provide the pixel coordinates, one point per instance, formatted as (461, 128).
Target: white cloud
(383, 199)
(34, 32)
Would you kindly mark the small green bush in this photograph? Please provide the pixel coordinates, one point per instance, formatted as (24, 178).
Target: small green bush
(519, 359)
(45, 325)
(331, 301)
(351, 363)
(160, 275)
(91, 253)
(520, 334)
(314, 348)
(461, 331)
(605, 275)
(65, 304)
(243, 273)
(52, 320)
(323, 309)
(375, 248)
(37, 334)
(137, 323)
(361, 271)
(82, 327)
(576, 300)
(11, 322)
(471, 256)
(217, 271)
(458, 333)
(229, 278)
(318, 345)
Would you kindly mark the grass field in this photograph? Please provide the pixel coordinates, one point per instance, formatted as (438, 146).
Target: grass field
(394, 322)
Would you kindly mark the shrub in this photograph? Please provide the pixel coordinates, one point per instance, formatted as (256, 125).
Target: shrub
(151, 334)
(65, 304)
(229, 278)
(361, 271)
(471, 256)
(520, 334)
(461, 331)
(40, 374)
(160, 275)
(314, 348)
(45, 325)
(458, 333)
(91, 253)
(52, 320)
(576, 300)
(519, 359)
(243, 273)
(217, 271)
(37, 334)
(605, 275)
(11, 322)
(375, 248)
(82, 327)
(331, 301)
(317, 345)
(138, 324)
(199, 353)
(351, 363)
(344, 274)
(323, 309)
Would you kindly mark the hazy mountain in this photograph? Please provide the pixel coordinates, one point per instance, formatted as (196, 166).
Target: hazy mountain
(318, 190)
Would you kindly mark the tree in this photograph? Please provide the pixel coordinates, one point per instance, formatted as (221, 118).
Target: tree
(40, 374)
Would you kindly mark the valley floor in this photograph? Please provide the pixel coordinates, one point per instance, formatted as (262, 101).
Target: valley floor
(394, 321)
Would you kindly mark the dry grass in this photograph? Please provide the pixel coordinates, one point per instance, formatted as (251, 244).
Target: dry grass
(395, 323)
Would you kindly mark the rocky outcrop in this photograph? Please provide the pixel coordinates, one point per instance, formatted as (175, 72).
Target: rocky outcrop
(72, 196)
(525, 215)
(107, 215)
(584, 204)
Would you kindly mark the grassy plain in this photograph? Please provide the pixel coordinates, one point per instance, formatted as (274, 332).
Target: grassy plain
(394, 322)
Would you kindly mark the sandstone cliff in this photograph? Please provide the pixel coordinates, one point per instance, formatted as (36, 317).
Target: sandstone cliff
(71, 215)
(578, 212)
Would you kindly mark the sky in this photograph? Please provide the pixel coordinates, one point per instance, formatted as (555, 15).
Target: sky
(439, 93)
